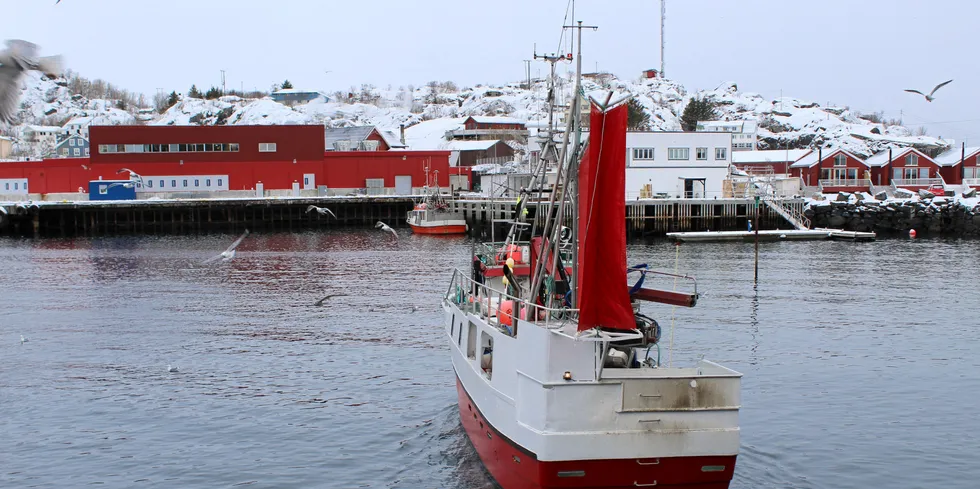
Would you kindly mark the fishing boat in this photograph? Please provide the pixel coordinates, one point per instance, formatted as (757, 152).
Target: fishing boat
(559, 372)
(434, 215)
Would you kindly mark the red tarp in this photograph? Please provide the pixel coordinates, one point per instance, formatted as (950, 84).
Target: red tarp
(603, 299)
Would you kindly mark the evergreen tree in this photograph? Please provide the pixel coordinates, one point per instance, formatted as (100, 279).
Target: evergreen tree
(213, 93)
(172, 99)
(194, 92)
(286, 85)
(698, 109)
(637, 118)
(121, 104)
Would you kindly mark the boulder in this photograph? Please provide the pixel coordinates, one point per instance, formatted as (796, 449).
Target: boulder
(843, 197)
(881, 195)
(902, 193)
(969, 194)
(925, 194)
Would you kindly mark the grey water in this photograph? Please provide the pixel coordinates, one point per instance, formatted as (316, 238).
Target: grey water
(861, 362)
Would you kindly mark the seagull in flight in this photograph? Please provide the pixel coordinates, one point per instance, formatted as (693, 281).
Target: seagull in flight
(929, 98)
(384, 227)
(132, 175)
(228, 254)
(20, 56)
(320, 302)
(321, 210)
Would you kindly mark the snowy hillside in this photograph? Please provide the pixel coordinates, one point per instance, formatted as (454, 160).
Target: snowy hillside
(428, 112)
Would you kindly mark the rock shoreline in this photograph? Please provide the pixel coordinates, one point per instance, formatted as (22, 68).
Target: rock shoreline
(926, 214)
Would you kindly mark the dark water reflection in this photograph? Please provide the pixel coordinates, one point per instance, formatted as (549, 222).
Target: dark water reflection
(860, 361)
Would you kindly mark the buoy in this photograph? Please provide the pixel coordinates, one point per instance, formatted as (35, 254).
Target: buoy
(506, 312)
(912, 233)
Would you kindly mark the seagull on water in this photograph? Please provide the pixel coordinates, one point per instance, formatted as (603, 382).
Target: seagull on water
(320, 302)
(172, 368)
(929, 98)
(321, 210)
(384, 227)
(228, 254)
(23, 340)
(20, 56)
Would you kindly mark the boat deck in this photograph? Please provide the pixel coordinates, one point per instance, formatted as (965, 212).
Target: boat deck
(774, 235)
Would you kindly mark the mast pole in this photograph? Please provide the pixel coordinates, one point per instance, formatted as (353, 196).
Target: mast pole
(574, 164)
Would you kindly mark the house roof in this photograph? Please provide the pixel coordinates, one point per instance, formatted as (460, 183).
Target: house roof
(953, 156)
(355, 134)
(43, 128)
(479, 119)
(881, 158)
(471, 145)
(391, 139)
(743, 126)
(72, 138)
(813, 157)
(296, 90)
(768, 156)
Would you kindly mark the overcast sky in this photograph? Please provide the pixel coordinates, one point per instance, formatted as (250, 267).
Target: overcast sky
(860, 53)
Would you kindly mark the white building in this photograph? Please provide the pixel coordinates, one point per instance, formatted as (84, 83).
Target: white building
(42, 134)
(78, 126)
(744, 133)
(676, 164)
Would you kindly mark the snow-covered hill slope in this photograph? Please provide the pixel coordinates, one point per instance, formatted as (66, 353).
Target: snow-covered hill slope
(788, 121)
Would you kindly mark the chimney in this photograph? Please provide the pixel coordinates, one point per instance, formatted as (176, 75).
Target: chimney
(403, 134)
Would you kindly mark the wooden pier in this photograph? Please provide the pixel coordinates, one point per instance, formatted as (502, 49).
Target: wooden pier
(773, 235)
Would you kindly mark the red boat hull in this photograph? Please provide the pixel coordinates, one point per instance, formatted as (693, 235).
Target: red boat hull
(514, 467)
(450, 229)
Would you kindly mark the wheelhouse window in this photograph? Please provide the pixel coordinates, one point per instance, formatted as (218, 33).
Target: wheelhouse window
(678, 153)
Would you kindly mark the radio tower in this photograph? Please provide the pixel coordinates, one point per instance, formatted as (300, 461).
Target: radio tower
(663, 14)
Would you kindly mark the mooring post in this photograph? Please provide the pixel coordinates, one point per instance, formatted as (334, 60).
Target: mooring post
(756, 239)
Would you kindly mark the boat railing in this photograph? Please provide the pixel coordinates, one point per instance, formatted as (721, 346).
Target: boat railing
(501, 309)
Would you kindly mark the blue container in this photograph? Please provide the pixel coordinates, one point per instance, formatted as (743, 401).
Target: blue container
(111, 190)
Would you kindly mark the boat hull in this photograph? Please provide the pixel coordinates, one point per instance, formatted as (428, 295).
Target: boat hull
(439, 229)
(514, 467)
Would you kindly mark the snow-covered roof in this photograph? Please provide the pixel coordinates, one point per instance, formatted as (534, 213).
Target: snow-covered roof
(391, 139)
(479, 119)
(44, 128)
(881, 158)
(813, 157)
(471, 145)
(739, 126)
(296, 90)
(953, 156)
(353, 134)
(768, 156)
(431, 134)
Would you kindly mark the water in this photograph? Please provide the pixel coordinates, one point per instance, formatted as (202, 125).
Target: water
(860, 361)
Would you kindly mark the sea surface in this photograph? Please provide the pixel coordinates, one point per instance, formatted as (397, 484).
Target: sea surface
(861, 361)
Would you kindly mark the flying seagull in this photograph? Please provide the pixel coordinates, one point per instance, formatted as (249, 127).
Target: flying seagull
(320, 302)
(228, 254)
(321, 210)
(929, 98)
(385, 227)
(132, 175)
(20, 56)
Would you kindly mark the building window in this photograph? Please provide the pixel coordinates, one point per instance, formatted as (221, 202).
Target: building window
(267, 147)
(721, 153)
(103, 189)
(219, 182)
(912, 160)
(678, 153)
(86, 151)
(15, 185)
(7, 186)
(149, 184)
(173, 183)
(642, 153)
(197, 183)
(701, 153)
(162, 184)
(71, 142)
(184, 183)
(840, 160)
(207, 183)
(234, 147)
(970, 172)
(77, 152)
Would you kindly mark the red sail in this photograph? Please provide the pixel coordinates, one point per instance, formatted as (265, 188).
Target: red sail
(602, 299)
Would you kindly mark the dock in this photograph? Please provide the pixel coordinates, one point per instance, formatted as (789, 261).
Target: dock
(773, 235)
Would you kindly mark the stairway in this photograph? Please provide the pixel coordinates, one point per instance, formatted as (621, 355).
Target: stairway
(793, 216)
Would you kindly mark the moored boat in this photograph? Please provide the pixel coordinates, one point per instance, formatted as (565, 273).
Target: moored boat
(559, 375)
(434, 216)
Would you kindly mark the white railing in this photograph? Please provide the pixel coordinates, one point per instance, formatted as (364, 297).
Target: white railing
(790, 213)
(916, 182)
(496, 160)
(971, 181)
(845, 183)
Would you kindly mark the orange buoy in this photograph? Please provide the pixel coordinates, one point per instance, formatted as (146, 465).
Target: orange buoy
(912, 233)
(505, 312)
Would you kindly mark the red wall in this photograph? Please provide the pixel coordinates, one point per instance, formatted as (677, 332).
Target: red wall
(302, 143)
(884, 174)
(811, 176)
(954, 174)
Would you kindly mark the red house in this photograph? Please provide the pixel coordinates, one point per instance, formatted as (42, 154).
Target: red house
(906, 168)
(960, 166)
(651, 73)
(833, 170)
(495, 123)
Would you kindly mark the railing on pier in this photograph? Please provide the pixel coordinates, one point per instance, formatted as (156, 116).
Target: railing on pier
(792, 213)
(973, 182)
(496, 160)
(917, 182)
(855, 183)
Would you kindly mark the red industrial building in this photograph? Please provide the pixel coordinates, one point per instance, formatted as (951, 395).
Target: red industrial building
(174, 159)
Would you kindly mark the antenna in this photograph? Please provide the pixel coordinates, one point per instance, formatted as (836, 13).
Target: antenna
(223, 88)
(663, 15)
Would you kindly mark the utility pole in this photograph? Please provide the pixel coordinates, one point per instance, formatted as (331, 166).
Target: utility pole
(663, 15)
(223, 88)
(527, 72)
